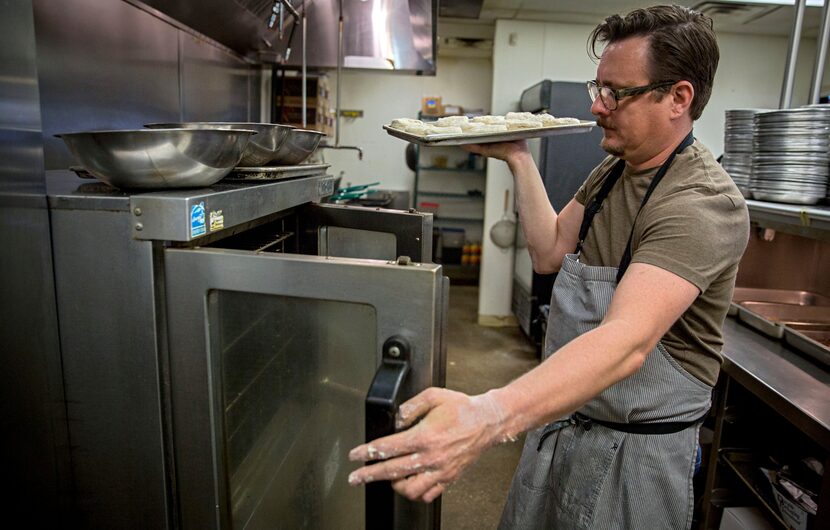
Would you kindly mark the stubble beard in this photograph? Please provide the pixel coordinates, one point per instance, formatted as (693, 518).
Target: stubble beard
(611, 149)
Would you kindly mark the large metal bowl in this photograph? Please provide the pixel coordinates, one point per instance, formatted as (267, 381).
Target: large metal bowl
(298, 146)
(158, 158)
(260, 150)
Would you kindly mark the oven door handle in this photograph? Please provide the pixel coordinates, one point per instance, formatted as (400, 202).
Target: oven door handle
(382, 403)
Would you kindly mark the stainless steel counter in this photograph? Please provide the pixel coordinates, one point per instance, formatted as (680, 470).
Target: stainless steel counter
(790, 384)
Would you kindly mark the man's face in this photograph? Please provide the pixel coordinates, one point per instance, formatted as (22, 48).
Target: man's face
(630, 131)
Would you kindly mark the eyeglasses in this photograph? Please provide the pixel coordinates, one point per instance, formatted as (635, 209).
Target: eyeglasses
(611, 96)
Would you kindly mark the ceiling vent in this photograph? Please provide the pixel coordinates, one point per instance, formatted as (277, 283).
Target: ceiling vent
(731, 12)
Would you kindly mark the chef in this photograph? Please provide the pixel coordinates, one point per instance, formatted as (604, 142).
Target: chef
(646, 254)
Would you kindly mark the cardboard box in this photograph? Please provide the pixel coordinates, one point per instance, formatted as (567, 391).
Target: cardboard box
(744, 518)
(795, 516)
(432, 106)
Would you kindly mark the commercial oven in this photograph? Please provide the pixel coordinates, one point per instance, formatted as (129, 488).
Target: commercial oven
(224, 348)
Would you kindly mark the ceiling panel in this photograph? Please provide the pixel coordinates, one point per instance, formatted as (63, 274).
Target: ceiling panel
(775, 21)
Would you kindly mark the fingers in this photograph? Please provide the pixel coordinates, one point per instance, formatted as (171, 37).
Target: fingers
(415, 408)
(434, 493)
(394, 469)
(473, 148)
(383, 448)
(423, 486)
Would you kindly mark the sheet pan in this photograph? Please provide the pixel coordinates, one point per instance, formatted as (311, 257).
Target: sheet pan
(486, 138)
(780, 296)
(816, 344)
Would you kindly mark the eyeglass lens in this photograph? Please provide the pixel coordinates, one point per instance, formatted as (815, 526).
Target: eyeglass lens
(606, 95)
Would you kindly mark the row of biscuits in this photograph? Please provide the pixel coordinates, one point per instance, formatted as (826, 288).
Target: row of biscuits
(480, 124)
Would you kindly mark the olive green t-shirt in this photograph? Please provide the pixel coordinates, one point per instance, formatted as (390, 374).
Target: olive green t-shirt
(695, 225)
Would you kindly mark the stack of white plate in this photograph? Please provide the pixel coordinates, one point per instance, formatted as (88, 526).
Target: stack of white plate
(790, 157)
(737, 146)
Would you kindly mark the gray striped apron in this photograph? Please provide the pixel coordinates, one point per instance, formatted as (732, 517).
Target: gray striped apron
(626, 458)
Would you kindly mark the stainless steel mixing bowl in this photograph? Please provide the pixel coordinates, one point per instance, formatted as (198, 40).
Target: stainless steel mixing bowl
(298, 146)
(260, 150)
(158, 158)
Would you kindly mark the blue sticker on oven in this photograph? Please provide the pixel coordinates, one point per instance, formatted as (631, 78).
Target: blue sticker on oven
(198, 227)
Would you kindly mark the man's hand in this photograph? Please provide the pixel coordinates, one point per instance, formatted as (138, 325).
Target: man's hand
(506, 151)
(423, 460)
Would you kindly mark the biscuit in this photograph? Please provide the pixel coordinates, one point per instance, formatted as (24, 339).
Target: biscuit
(431, 129)
(522, 124)
(419, 129)
(403, 123)
(489, 128)
(520, 116)
(451, 121)
(489, 120)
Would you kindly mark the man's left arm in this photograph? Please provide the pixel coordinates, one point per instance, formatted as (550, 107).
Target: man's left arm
(456, 428)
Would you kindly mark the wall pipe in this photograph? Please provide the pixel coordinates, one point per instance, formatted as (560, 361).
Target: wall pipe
(821, 54)
(337, 98)
(792, 56)
(304, 73)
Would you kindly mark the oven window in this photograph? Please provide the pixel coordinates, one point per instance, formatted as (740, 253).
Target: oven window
(294, 376)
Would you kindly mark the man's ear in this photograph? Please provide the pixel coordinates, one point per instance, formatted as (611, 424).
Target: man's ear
(682, 94)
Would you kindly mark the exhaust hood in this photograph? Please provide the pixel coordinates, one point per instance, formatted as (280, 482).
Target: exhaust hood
(379, 34)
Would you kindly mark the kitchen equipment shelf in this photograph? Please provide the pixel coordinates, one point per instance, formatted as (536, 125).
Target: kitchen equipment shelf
(769, 400)
(743, 464)
(807, 221)
(462, 187)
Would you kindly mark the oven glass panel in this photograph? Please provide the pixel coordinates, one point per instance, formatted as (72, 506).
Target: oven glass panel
(294, 373)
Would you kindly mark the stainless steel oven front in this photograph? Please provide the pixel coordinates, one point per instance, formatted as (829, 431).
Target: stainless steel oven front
(271, 327)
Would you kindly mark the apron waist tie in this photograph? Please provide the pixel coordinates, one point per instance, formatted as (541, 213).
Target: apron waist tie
(663, 427)
(581, 420)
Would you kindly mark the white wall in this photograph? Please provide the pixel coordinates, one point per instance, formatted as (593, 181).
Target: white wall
(750, 74)
(384, 96)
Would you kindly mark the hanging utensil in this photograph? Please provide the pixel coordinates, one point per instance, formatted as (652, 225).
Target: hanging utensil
(503, 233)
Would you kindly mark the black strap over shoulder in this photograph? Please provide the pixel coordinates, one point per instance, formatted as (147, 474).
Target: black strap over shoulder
(595, 206)
(611, 178)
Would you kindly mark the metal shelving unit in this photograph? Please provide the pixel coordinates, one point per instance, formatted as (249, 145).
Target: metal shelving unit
(800, 220)
(460, 192)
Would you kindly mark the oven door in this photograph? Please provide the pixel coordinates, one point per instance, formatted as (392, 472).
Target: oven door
(360, 232)
(271, 358)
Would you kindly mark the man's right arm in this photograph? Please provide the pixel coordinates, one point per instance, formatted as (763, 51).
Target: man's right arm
(549, 235)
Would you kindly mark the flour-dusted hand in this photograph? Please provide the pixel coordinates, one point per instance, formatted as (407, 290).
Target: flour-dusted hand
(423, 460)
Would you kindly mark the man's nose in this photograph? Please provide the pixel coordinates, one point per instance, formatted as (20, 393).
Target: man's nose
(598, 108)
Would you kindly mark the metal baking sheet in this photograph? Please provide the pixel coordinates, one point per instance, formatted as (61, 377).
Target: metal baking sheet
(816, 344)
(780, 296)
(760, 323)
(276, 172)
(770, 318)
(486, 138)
(784, 313)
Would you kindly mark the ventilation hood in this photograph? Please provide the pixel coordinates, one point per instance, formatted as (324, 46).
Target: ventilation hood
(379, 34)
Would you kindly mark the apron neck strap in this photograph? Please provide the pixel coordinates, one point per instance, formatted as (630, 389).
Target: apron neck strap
(611, 178)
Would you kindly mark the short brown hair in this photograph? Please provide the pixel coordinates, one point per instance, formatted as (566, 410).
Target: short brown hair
(683, 46)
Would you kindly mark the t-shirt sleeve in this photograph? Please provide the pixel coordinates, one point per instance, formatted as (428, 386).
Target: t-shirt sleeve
(695, 233)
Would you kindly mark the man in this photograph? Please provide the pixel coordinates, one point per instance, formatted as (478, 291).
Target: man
(647, 253)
